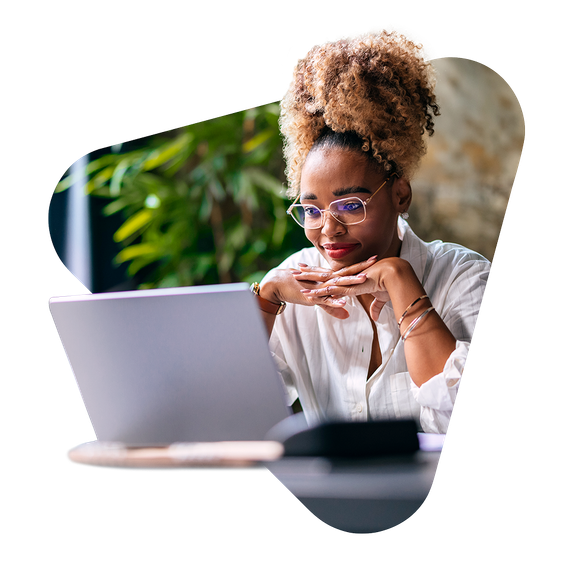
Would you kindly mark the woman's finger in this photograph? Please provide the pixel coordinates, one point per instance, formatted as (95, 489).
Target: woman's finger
(325, 275)
(340, 313)
(307, 268)
(356, 268)
(333, 306)
(312, 273)
(324, 291)
(347, 280)
(376, 308)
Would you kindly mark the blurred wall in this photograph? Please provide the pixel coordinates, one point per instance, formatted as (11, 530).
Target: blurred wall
(461, 189)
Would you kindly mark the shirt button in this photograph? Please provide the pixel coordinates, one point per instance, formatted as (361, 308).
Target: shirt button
(359, 408)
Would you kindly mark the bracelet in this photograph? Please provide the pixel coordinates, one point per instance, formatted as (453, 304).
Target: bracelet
(409, 307)
(415, 322)
(266, 305)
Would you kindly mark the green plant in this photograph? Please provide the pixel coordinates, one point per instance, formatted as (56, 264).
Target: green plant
(201, 204)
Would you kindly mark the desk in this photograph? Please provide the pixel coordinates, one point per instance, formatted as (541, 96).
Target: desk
(352, 495)
(360, 496)
(220, 456)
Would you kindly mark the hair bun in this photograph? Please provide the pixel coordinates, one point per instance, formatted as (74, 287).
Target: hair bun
(377, 86)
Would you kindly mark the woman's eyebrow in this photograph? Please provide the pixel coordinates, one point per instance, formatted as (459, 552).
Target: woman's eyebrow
(339, 192)
(348, 190)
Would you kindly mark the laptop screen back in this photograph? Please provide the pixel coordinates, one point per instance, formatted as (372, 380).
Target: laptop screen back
(180, 364)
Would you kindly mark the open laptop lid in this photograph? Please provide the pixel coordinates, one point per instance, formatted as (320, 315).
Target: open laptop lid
(179, 364)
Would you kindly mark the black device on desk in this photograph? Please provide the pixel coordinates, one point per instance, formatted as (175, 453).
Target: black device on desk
(339, 439)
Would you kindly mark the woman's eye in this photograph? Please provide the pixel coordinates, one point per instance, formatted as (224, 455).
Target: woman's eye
(311, 211)
(351, 206)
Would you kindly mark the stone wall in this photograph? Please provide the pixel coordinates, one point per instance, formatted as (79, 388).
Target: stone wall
(461, 189)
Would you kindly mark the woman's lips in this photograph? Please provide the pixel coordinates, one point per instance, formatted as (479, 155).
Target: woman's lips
(338, 251)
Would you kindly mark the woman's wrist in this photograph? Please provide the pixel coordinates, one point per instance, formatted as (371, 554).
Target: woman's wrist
(403, 287)
(393, 271)
(268, 292)
(391, 274)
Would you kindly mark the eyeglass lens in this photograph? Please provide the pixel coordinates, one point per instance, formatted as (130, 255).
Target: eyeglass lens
(347, 211)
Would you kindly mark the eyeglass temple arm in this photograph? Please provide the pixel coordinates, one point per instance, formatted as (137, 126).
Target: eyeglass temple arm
(293, 203)
(387, 180)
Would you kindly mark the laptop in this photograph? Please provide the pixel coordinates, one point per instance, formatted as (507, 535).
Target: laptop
(156, 367)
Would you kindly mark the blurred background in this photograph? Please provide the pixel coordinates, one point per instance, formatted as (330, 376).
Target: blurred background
(462, 187)
(205, 203)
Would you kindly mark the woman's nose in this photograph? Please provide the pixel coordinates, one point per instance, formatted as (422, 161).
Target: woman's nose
(331, 226)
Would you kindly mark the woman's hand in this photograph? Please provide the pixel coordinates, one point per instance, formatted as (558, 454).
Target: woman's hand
(296, 286)
(370, 277)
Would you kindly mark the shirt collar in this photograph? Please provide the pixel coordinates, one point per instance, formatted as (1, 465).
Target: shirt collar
(413, 249)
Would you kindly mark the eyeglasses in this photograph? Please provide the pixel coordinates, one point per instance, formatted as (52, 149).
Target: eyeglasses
(348, 211)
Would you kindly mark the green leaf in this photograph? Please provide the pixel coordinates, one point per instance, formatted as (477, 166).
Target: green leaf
(117, 175)
(166, 153)
(267, 182)
(133, 224)
(91, 167)
(257, 140)
(100, 179)
(136, 251)
(115, 206)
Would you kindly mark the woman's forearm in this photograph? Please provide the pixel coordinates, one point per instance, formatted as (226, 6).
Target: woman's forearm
(428, 341)
(267, 292)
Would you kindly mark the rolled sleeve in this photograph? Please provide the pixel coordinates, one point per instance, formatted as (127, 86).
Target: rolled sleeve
(436, 396)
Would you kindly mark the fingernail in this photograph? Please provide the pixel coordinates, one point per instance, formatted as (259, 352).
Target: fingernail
(302, 265)
(305, 291)
(373, 257)
(296, 272)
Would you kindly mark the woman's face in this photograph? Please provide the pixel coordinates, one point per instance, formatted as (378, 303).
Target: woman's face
(330, 174)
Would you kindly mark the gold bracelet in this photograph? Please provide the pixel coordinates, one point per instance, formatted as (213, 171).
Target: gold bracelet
(414, 323)
(266, 305)
(409, 307)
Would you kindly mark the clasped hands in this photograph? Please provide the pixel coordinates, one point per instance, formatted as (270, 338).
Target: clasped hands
(315, 285)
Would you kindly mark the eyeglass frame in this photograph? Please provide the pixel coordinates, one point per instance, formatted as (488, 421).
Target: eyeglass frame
(322, 211)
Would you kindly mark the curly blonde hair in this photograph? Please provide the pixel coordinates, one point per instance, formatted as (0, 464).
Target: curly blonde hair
(376, 86)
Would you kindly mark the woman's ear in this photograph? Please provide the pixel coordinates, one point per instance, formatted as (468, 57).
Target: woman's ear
(401, 194)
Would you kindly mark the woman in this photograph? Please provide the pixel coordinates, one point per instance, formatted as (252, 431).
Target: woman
(370, 322)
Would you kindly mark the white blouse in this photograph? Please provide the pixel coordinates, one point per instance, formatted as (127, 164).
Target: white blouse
(324, 361)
